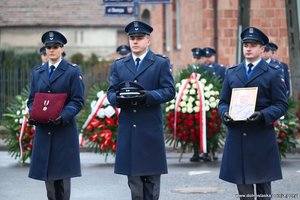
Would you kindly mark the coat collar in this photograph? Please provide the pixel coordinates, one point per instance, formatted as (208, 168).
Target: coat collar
(146, 63)
(44, 72)
(260, 68)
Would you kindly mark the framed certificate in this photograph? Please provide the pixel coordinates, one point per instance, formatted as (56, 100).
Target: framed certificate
(242, 103)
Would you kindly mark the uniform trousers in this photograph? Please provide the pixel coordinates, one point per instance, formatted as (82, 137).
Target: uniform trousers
(144, 187)
(263, 191)
(58, 189)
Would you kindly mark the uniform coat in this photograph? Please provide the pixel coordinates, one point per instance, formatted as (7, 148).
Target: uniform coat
(251, 153)
(285, 74)
(140, 143)
(56, 149)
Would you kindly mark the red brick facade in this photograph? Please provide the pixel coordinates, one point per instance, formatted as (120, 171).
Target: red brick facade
(197, 28)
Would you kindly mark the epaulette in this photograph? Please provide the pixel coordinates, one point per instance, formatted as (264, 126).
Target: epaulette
(37, 67)
(232, 67)
(120, 58)
(162, 56)
(274, 66)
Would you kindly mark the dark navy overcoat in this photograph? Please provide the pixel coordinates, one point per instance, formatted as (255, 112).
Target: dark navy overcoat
(251, 153)
(140, 142)
(56, 149)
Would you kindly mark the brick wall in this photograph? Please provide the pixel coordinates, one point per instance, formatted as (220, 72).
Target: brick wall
(197, 28)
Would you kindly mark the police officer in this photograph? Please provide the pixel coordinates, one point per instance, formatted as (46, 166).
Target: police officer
(196, 58)
(272, 47)
(123, 50)
(55, 157)
(141, 152)
(209, 63)
(43, 54)
(251, 153)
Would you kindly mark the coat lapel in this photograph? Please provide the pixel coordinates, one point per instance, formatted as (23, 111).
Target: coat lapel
(129, 64)
(44, 73)
(261, 67)
(146, 63)
(61, 68)
(241, 74)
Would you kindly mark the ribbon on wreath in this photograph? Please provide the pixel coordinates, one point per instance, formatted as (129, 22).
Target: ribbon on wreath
(22, 131)
(92, 115)
(194, 77)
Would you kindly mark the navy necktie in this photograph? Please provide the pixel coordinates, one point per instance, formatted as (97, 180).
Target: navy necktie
(137, 63)
(51, 71)
(250, 65)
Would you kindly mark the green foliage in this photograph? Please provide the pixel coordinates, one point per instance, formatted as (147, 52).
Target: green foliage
(13, 119)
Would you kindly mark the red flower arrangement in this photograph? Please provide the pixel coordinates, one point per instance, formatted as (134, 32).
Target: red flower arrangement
(183, 117)
(99, 132)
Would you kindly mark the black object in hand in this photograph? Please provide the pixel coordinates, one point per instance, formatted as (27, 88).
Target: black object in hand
(227, 119)
(256, 117)
(55, 122)
(32, 121)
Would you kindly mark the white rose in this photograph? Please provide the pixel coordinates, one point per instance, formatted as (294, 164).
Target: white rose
(207, 94)
(206, 102)
(173, 101)
(172, 107)
(182, 104)
(178, 85)
(189, 105)
(212, 99)
(197, 103)
(212, 93)
(109, 111)
(183, 110)
(217, 101)
(190, 110)
(196, 108)
(192, 91)
(182, 81)
(193, 81)
(213, 105)
(18, 112)
(101, 113)
(194, 85)
(203, 81)
(184, 97)
(188, 86)
(179, 109)
(191, 99)
(206, 108)
(206, 88)
(217, 93)
(210, 86)
(167, 109)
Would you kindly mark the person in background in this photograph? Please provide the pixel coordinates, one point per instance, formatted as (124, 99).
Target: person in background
(251, 155)
(284, 67)
(44, 57)
(139, 84)
(123, 50)
(196, 58)
(55, 158)
(210, 64)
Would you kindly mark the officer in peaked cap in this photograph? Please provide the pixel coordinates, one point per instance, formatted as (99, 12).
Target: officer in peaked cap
(55, 76)
(43, 54)
(208, 52)
(270, 55)
(253, 139)
(53, 38)
(138, 28)
(139, 83)
(196, 58)
(252, 34)
(123, 50)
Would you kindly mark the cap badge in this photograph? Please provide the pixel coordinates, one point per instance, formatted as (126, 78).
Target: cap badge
(51, 35)
(136, 24)
(251, 30)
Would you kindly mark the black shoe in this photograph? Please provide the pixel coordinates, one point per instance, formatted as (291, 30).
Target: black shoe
(195, 158)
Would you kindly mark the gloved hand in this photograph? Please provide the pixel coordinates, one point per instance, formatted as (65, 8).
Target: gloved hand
(256, 117)
(32, 122)
(55, 122)
(227, 119)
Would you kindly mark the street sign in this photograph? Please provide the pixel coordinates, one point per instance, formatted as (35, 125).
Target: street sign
(117, 1)
(119, 10)
(154, 1)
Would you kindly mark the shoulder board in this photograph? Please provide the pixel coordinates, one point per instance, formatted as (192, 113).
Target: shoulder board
(232, 67)
(37, 67)
(120, 58)
(162, 56)
(274, 66)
